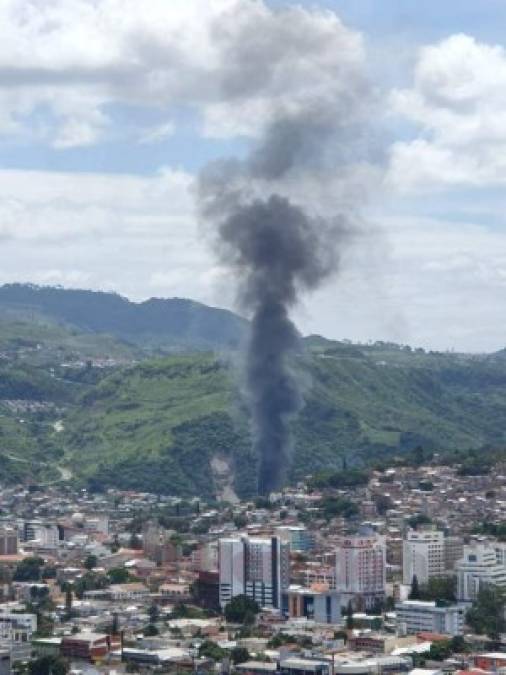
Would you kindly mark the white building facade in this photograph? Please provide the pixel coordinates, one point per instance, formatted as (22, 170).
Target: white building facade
(482, 565)
(416, 616)
(361, 568)
(253, 566)
(423, 555)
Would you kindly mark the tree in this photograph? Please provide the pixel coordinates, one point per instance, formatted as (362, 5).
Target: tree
(415, 589)
(389, 603)
(239, 655)
(154, 613)
(115, 624)
(458, 644)
(118, 575)
(150, 630)
(350, 624)
(241, 609)
(439, 588)
(211, 650)
(440, 650)
(90, 561)
(338, 506)
(486, 616)
(383, 503)
(240, 521)
(134, 542)
(48, 665)
(419, 519)
(68, 602)
(29, 569)
(39, 596)
(418, 456)
(91, 581)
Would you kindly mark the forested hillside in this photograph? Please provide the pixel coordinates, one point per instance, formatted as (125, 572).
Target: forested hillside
(108, 413)
(170, 324)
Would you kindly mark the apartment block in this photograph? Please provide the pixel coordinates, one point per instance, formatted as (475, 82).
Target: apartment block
(361, 568)
(482, 565)
(423, 555)
(254, 566)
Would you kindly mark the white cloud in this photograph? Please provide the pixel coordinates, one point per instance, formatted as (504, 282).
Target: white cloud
(420, 280)
(138, 235)
(158, 133)
(457, 100)
(236, 61)
(431, 283)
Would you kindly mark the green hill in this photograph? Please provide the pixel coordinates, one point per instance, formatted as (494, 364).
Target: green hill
(171, 324)
(157, 425)
(44, 370)
(114, 416)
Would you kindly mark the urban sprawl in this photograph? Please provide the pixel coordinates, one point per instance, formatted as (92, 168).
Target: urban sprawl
(398, 570)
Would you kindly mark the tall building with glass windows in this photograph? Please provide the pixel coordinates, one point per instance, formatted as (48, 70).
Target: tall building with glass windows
(257, 567)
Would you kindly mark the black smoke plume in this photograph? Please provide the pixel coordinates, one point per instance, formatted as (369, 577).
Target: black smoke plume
(278, 250)
(279, 247)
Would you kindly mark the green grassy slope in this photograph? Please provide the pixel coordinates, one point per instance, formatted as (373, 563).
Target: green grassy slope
(37, 340)
(157, 424)
(387, 401)
(43, 373)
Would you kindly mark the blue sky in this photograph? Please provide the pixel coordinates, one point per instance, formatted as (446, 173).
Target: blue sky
(104, 126)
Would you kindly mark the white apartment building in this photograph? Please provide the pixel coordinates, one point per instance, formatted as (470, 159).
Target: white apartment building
(423, 555)
(39, 533)
(361, 568)
(232, 568)
(16, 632)
(481, 565)
(254, 566)
(416, 616)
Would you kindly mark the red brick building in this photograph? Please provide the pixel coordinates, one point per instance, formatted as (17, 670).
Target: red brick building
(89, 646)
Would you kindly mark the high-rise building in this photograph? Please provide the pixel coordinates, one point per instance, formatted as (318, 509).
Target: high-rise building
(299, 537)
(482, 565)
(232, 568)
(454, 548)
(253, 566)
(423, 555)
(8, 541)
(361, 568)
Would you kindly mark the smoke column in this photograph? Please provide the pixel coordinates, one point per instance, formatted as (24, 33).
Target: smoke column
(279, 247)
(279, 251)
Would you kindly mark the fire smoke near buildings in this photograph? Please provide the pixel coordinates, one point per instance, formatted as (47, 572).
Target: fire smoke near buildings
(279, 246)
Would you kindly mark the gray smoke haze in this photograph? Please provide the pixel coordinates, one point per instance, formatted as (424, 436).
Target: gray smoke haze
(278, 246)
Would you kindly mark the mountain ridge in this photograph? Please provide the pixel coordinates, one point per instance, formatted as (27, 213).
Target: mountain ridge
(170, 323)
(118, 414)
